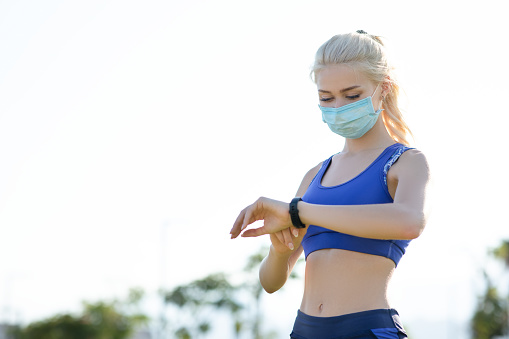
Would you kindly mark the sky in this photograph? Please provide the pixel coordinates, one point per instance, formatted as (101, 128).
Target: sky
(132, 134)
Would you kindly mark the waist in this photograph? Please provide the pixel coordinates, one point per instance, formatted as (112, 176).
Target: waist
(376, 318)
(379, 322)
(340, 282)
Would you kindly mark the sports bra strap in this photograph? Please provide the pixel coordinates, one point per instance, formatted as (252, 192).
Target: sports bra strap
(395, 156)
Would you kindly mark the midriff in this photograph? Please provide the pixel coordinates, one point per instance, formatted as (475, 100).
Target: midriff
(339, 282)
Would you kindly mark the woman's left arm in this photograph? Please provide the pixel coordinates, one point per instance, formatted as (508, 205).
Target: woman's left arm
(405, 218)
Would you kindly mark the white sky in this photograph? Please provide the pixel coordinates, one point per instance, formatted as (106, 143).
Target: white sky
(120, 117)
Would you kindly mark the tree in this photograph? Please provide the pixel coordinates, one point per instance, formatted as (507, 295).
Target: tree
(253, 285)
(502, 253)
(99, 320)
(491, 317)
(199, 300)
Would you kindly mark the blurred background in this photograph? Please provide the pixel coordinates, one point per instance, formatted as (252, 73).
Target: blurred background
(132, 133)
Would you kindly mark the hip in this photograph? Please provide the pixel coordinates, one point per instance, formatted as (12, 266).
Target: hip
(374, 324)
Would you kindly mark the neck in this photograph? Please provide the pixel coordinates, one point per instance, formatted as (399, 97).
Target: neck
(375, 138)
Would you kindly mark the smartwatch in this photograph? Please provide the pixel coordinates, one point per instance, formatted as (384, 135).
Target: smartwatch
(294, 213)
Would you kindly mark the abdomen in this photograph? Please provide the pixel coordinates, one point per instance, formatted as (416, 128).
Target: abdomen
(339, 282)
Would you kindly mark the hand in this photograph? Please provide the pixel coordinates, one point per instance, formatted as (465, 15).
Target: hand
(284, 242)
(275, 215)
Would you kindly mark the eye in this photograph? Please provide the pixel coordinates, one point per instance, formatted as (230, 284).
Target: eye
(325, 99)
(353, 97)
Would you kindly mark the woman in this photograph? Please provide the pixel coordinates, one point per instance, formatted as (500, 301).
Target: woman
(359, 209)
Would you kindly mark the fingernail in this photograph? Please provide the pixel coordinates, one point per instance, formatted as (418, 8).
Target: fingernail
(290, 245)
(296, 233)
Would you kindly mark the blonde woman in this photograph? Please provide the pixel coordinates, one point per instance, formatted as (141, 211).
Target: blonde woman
(355, 213)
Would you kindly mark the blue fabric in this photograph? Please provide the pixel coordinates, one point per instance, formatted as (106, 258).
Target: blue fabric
(386, 333)
(351, 121)
(373, 324)
(369, 187)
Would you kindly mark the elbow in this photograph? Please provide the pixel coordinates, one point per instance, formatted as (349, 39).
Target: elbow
(414, 226)
(268, 287)
(269, 290)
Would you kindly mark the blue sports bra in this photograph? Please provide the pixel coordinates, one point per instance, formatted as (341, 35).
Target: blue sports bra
(369, 187)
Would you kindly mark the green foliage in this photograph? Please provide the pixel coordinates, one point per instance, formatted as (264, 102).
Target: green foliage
(199, 299)
(100, 320)
(193, 300)
(183, 333)
(58, 327)
(491, 318)
(502, 252)
(213, 290)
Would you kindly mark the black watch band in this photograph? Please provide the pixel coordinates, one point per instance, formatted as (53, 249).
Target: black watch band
(294, 213)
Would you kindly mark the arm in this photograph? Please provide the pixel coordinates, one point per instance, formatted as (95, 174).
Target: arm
(276, 268)
(403, 219)
(279, 263)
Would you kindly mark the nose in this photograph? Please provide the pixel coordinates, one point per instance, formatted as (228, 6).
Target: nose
(337, 103)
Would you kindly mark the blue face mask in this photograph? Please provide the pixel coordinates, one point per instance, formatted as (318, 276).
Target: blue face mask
(351, 121)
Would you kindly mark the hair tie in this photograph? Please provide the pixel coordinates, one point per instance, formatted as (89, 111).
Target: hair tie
(360, 31)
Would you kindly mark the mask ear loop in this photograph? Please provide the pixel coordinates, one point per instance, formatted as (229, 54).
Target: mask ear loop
(381, 102)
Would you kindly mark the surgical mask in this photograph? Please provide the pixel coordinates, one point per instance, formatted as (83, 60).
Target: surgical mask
(351, 121)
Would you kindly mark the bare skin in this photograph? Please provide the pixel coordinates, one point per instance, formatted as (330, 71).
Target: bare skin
(337, 281)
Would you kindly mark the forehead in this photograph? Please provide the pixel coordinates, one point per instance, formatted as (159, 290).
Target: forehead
(337, 77)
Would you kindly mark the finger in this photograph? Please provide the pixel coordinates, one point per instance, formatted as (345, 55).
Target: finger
(236, 229)
(295, 231)
(288, 238)
(280, 237)
(251, 215)
(247, 218)
(255, 232)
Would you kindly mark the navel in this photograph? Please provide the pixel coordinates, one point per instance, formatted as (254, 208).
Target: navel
(320, 308)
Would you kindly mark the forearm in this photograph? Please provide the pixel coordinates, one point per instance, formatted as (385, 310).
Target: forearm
(274, 270)
(377, 221)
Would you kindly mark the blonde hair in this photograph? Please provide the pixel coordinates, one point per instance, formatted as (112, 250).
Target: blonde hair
(367, 53)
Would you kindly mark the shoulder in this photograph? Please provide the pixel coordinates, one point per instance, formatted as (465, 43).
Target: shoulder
(306, 181)
(313, 171)
(412, 161)
(415, 157)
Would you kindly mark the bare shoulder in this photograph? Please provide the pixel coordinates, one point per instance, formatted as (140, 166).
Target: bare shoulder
(306, 181)
(412, 162)
(313, 172)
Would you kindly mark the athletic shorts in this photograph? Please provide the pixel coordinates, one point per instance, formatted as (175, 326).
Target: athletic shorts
(373, 324)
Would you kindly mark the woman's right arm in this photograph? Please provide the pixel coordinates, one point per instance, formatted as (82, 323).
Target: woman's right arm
(278, 264)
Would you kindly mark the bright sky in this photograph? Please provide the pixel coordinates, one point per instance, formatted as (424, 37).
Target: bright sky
(133, 132)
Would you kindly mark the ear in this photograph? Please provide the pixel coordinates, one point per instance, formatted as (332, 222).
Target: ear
(386, 86)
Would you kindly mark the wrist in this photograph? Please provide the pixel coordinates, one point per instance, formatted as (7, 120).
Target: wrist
(294, 213)
(278, 254)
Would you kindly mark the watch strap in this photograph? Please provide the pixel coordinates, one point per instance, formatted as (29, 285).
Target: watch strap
(294, 213)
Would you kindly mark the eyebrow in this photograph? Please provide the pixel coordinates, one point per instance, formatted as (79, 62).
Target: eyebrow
(342, 91)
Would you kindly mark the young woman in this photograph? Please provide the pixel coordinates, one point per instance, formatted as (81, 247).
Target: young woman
(356, 212)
